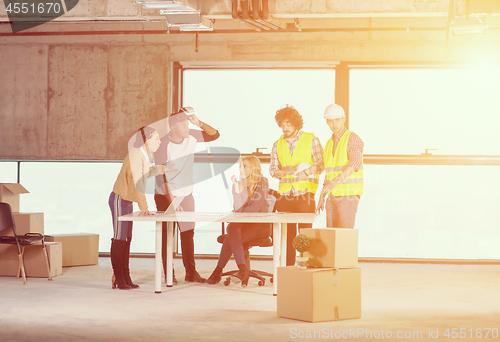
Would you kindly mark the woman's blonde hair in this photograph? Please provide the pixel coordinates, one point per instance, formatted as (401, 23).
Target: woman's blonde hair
(254, 177)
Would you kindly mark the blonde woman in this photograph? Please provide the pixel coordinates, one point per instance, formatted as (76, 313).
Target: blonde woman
(250, 195)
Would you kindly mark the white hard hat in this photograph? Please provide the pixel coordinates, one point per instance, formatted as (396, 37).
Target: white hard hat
(334, 111)
(187, 110)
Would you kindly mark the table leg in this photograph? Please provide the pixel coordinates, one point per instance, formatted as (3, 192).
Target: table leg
(158, 258)
(283, 244)
(170, 253)
(276, 256)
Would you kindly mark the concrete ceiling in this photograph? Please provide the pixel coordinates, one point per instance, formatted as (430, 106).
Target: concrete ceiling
(221, 9)
(337, 8)
(311, 13)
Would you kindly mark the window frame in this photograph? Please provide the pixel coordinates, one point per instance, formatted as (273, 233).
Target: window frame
(342, 81)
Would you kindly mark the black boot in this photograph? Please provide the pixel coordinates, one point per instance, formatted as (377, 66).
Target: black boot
(126, 261)
(243, 274)
(187, 245)
(215, 277)
(174, 280)
(117, 251)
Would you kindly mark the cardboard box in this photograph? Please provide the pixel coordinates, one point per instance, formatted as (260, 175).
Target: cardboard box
(9, 260)
(79, 249)
(9, 193)
(319, 294)
(332, 247)
(28, 223)
(34, 261)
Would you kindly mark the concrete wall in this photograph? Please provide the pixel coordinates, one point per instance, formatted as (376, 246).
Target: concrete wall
(79, 101)
(82, 97)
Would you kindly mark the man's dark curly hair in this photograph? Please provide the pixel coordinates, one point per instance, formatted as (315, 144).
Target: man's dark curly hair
(289, 113)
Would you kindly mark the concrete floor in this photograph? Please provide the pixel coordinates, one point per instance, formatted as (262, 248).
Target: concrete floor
(396, 298)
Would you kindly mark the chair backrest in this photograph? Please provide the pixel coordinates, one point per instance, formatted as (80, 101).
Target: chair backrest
(6, 218)
(271, 202)
(271, 199)
(267, 242)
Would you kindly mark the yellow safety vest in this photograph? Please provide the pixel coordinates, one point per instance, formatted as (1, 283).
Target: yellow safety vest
(301, 154)
(335, 164)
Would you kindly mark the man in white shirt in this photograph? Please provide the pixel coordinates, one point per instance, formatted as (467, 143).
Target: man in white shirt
(177, 153)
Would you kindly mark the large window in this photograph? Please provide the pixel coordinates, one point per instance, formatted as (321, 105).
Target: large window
(409, 209)
(405, 111)
(74, 199)
(241, 104)
(422, 211)
(428, 211)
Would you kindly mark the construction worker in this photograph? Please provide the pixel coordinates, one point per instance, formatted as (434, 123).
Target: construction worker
(297, 161)
(343, 158)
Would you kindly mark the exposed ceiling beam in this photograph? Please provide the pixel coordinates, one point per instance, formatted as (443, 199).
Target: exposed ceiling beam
(333, 8)
(221, 9)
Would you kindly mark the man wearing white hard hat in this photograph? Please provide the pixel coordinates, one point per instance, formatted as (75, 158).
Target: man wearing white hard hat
(297, 161)
(343, 158)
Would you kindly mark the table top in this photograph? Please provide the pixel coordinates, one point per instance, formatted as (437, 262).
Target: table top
(190, 216)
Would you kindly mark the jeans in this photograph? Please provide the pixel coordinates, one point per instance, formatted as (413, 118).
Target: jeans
(295, 204)
(341, 211)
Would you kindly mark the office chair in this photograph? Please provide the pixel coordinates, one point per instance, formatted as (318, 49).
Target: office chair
(267, 242)
(7, 224)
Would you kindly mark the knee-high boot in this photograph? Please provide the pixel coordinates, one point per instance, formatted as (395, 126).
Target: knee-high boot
(187, 245)
(126, 262)
(117, 251)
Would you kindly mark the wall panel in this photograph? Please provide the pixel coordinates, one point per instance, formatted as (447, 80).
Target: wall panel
(23, 101)
(78, 82)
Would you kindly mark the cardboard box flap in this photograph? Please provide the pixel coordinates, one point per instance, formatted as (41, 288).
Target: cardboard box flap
(332, 247)
(15, 188)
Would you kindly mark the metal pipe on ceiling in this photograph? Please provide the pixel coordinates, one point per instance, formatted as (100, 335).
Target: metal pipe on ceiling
(255, 13)
(236, 16)
(256, 4)
(245, 15)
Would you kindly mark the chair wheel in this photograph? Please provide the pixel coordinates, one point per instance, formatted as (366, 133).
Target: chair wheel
(271, 280)
(262, 282)
(227, 281)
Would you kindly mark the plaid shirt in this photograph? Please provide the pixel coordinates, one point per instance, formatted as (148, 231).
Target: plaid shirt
(354, 148)
(316, 152)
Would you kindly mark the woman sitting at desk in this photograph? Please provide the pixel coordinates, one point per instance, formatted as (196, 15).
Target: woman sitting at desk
(130, 186)
(250, 195)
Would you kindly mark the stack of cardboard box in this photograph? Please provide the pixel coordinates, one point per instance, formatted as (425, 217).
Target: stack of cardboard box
(34, 261)
(330, 287)
(80, 249)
